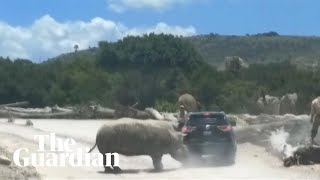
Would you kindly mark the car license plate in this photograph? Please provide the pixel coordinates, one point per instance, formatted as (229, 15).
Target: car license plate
(206, 133)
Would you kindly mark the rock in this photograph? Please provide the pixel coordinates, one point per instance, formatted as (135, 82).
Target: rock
(10, 120)
(29, 123)
(4, 160)
(170, 117)
(155, 114)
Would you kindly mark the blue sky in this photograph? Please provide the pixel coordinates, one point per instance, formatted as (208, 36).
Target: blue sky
(31, 28)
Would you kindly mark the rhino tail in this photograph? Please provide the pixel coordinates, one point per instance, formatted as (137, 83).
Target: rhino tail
(92, 148)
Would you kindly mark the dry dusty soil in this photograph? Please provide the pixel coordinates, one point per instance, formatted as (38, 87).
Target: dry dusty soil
(252, 161)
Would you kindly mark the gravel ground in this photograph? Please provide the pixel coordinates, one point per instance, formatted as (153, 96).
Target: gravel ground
(13, 172)
(252, 162)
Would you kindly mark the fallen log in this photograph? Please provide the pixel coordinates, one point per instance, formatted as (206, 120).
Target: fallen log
(142, 115)
(29, 110)
(102, 112)
(77, 112)
(82, 112)
(16, 104)
(63, 115)
(138, 114)
(103, 109)
(56, 108)
(4, 160)
(170, 117)
(154, 113)
(130, 112)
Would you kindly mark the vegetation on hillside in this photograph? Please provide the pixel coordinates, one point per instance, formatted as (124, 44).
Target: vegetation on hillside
(152, 70)
(259, 48)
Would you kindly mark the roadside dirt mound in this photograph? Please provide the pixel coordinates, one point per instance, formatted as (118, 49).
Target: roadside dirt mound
(13, 172)
(273, 132)
(247, 119)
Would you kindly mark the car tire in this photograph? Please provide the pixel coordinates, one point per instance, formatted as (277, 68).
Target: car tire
(194, 158)
(230, 158)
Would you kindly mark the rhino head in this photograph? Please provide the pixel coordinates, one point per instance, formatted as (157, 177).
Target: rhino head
(180, 152)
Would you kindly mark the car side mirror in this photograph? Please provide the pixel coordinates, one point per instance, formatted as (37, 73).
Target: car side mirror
(232, 121)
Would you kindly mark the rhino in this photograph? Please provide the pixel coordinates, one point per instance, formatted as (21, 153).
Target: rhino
(288, 103)
(269, 105)
(189, 102)
(136, 137)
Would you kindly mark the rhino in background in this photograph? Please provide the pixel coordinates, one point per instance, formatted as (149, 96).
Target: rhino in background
(288, 104)
(269, 105)
(189, 102)
(135, 137)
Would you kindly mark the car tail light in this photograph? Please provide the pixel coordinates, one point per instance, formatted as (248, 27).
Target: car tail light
(206, 114)
(186, 129)
(226, 128)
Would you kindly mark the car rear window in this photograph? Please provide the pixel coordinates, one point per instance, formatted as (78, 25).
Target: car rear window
(212, 119)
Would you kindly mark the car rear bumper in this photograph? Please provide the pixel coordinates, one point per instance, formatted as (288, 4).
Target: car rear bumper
(210, 148)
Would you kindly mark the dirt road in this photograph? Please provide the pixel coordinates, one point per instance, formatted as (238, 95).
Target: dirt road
(252, 162)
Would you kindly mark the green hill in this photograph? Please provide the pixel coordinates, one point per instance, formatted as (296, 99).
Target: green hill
(154, 69)
(260, 48)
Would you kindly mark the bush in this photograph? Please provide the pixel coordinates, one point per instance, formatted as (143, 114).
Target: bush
(165, 106)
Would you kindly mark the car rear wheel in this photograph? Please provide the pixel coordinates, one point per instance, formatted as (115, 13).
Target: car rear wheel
(194, 158)
(230, 157)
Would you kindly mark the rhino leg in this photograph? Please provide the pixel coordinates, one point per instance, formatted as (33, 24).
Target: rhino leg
(113, 169)
(107, 169)
(116, 170)
(157, 162)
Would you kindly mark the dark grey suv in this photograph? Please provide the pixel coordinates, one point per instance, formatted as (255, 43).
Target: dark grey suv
(210, 133)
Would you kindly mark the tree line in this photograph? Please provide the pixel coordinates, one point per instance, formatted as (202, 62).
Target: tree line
(152, 70)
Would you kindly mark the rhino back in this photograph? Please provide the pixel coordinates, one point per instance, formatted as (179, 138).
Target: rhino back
(137, 137)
